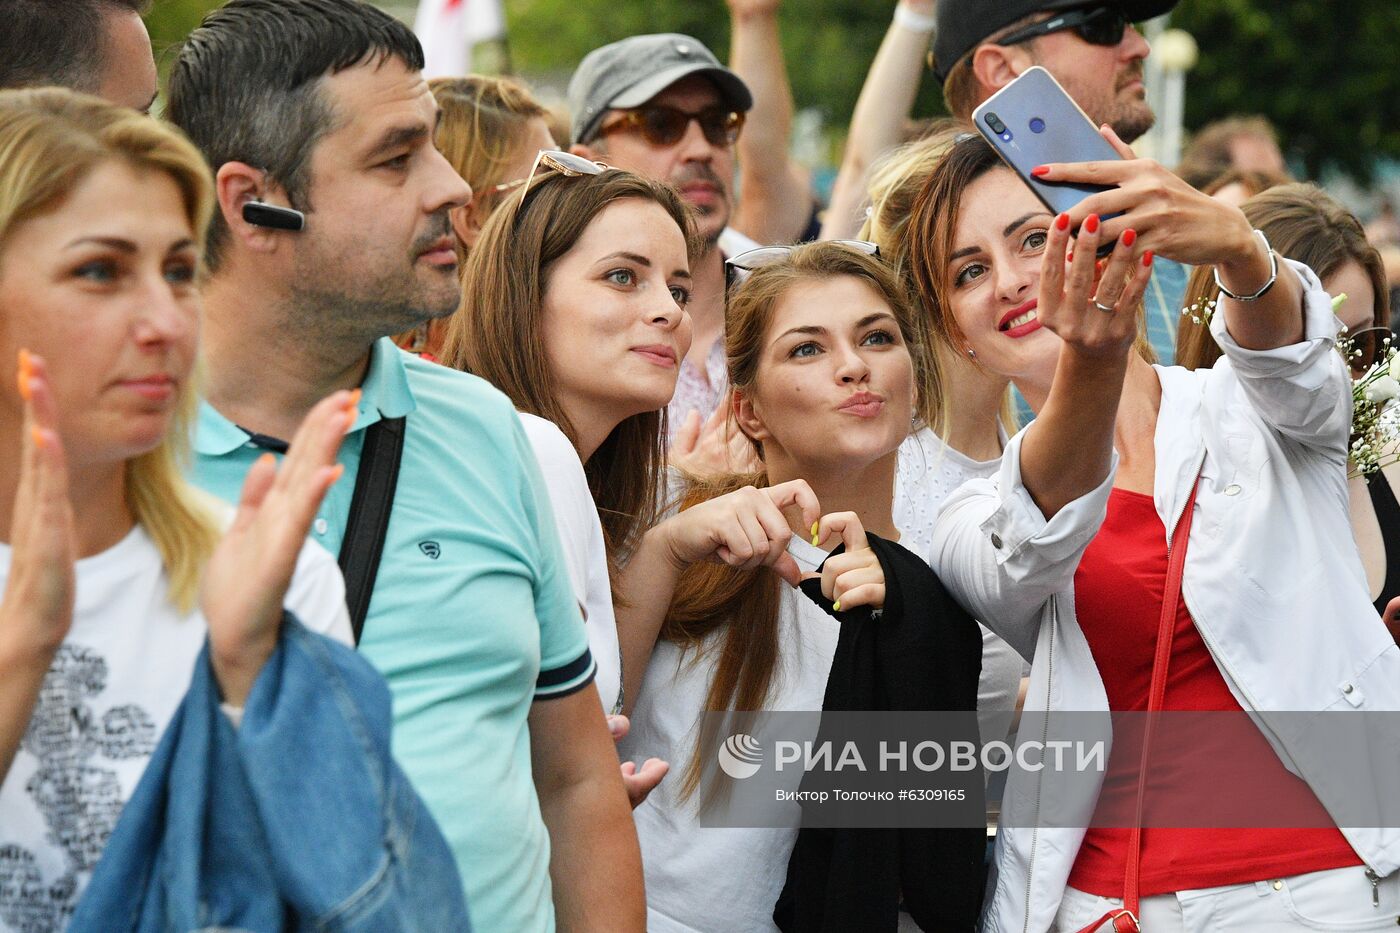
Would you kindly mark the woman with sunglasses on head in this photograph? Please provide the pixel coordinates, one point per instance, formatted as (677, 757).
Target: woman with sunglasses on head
(490, 130)
(574, 305)
(1240, 470)
(827, 380)
(1304, 223)
(128, 594)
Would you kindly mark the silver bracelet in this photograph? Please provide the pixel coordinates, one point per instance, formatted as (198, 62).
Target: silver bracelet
(1264, 289)
(912, 20)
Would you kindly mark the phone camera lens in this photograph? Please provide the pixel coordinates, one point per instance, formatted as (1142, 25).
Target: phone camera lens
(1037, 125)
(995, 123)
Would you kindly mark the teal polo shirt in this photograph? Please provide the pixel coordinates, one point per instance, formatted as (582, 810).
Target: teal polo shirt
(472, 619)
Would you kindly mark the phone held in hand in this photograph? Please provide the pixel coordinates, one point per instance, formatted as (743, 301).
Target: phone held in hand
(1032, 121)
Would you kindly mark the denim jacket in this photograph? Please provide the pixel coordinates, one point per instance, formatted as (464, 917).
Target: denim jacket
(297, 820)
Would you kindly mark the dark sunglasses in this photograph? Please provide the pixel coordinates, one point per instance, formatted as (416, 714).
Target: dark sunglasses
(739, 268)
(1098, 25)
(664, 126)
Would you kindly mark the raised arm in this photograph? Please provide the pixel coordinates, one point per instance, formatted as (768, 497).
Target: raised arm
(775, 200)
(37, 609)
(885, 102)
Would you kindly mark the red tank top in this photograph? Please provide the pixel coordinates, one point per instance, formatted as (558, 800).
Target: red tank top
(1118, 593)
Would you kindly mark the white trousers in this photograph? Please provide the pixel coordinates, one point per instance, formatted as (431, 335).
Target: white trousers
(1341, 899)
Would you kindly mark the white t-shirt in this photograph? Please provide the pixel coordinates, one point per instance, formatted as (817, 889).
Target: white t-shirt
(581, 533)
(106, 700)
(928, 471)
(700, 880)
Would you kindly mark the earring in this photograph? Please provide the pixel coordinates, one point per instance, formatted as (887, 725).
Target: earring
(971, 354)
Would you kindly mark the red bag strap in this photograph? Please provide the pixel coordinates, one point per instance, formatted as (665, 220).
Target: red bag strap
(1125, 918)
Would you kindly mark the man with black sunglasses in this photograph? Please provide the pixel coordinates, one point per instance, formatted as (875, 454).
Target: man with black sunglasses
(664, 107)
(1095, 52)
(1092, 49)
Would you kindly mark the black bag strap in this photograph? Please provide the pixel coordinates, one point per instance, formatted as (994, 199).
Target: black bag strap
(368, 521)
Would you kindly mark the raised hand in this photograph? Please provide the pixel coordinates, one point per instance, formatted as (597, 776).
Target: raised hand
(248, 575)
(741, 8)
(1092, 305)
(1168, 215)
(743, 529)
(854, 577)
(37, 609)
(715, 447)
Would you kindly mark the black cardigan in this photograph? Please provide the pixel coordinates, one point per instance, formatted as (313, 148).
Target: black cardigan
(923, 653)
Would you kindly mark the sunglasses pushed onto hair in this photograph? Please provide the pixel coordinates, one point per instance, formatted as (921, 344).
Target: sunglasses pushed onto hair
(660, 125)
(738, 269)
(561, 163)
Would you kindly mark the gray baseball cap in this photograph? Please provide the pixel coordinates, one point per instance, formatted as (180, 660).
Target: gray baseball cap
(631, 72)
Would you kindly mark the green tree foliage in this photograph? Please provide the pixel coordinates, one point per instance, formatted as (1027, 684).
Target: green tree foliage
(1323, 72)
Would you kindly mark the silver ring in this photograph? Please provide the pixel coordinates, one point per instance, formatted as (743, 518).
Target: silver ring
(1106, 309)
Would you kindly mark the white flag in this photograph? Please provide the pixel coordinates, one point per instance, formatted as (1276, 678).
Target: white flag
(449, 28)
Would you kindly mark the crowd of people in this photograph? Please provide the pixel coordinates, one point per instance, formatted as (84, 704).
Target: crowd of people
(391, 487)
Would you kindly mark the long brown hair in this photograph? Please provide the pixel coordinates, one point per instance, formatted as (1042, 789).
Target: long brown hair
(933, 224)
(745, 604)
(1306, 224)
(496, 333)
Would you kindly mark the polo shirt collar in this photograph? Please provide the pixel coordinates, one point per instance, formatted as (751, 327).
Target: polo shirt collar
(386, 394)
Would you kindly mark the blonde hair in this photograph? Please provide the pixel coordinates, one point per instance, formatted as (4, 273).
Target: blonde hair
(50, 139)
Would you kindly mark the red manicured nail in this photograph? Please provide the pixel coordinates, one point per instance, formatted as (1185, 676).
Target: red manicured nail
(1069, 258)
(1040, 171)
(1129, 237)
(1098, 266)
(1147, 258)
(1091, 223)
(1062, 222)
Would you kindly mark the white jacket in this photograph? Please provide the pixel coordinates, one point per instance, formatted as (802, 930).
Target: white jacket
(1272, 579)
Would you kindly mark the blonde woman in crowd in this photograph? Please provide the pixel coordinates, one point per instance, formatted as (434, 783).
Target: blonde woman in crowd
(115, 570)
(491, 129)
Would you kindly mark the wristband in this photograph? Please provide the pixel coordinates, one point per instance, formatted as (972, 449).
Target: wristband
(912, 21)
(1273, 274)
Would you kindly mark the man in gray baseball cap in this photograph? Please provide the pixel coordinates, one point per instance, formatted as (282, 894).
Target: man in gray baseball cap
(664, 107)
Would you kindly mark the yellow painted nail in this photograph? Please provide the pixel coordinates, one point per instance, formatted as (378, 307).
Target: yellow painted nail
(836, 605)
(815, 526)
(816, 541)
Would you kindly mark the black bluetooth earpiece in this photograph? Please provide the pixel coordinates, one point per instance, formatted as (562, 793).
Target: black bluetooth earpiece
(277, 218)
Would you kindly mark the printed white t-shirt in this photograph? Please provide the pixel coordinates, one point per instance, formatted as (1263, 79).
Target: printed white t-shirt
(581, 533)
(928, 471)
(106, 700)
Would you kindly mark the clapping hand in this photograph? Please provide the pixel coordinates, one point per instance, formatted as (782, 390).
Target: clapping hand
(248, 575)
(37, 610)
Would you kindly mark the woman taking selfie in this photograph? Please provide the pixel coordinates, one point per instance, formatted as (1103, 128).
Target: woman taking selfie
(116, 572)
(1241, 468)
(574, 306)
(826, 385)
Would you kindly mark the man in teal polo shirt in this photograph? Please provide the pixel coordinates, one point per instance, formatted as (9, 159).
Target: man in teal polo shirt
(314, 112)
